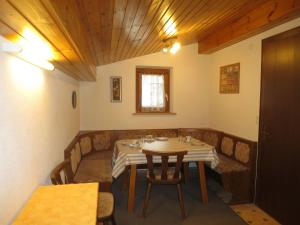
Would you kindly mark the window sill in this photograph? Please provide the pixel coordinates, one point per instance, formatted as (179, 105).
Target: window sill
(154, 113)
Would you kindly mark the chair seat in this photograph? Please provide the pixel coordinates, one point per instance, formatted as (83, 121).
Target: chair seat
(170, 173)
(93, 170)
(105, 205)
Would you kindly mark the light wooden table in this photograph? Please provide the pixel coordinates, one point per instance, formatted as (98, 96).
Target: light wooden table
(70, 204)
(197, 152)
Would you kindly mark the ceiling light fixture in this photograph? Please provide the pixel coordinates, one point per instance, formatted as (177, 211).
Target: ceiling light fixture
(8, 46)
(171, 46)
(25, 51)
(175, 47)
(165, 49)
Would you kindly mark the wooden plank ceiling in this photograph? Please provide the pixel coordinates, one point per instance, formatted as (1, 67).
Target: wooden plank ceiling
(83, 34)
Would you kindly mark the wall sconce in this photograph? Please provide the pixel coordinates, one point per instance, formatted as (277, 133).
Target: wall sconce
(8, 46)
(171, 46)
(26, 53)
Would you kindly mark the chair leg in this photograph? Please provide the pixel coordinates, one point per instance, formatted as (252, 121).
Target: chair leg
(180, 198)
(146, 200)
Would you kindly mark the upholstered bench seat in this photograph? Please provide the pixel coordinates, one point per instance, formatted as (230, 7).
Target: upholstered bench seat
(227, 165)
(93, 170)
(107, 155)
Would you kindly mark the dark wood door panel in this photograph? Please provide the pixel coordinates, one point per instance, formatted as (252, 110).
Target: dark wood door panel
(279, 133)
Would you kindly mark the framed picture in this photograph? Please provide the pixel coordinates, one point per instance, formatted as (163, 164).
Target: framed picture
(230, 79)
(116, 89)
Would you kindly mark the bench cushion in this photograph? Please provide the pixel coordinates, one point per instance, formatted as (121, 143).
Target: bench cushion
(77, 153)
(74, 162)
(242, 152)
(107, 155)
(227, 146)
(227, 165)
(211, 138)
(93, 170)
(85, 145)
(101, 141)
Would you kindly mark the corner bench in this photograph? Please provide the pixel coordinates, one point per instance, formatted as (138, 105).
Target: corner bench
(90, 155)
(237, 167)
(90, 158)
(237, 162)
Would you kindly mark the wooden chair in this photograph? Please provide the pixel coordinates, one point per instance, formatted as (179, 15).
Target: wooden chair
(105, 208)
(165, 175)
(62, 170)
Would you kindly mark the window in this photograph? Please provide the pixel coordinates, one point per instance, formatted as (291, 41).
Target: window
(152, 90)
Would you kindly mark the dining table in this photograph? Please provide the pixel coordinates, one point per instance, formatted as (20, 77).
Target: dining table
(74, 204)
(128, 153)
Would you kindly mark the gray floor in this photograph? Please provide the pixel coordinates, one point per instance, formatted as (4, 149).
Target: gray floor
(164, 209)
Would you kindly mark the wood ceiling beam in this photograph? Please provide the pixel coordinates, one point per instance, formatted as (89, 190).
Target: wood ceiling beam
(265, 16)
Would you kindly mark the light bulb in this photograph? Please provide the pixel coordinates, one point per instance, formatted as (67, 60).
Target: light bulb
(165, 49)
(175, 47)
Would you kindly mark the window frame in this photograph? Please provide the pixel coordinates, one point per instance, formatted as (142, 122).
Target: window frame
(152, 71)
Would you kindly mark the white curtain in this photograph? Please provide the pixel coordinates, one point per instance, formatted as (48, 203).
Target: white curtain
(153, 91)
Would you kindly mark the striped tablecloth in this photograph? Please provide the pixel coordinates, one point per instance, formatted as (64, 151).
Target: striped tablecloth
(124, 154)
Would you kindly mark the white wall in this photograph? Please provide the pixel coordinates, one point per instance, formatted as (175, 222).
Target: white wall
(194, 87)
(238, 113)
(37, 122)
(189, 94)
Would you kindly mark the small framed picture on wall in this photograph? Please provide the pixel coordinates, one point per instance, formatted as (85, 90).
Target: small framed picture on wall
(230, 79)
(116, 89)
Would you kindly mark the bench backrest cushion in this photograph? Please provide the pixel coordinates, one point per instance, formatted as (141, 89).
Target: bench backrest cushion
(129, 134)
(136, 134)
(193, 132)
(77, 152)
(239, 149)
(75, 157)
(85, 145)
(102, 140)
(166, 133)
(227, 146)
(212, 137)
(242, 152)
(74, 163)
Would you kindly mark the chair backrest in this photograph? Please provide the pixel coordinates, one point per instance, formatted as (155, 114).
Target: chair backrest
(65, 168)
(164, 163)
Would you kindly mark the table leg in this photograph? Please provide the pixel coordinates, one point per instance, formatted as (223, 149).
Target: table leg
(202, 181)
(186, 172)
(125, 177)
(131, 192)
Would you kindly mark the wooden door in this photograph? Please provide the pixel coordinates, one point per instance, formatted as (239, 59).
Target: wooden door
(278, 184)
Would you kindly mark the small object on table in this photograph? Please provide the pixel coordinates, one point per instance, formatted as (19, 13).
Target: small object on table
(188, 139)
(149, 138)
